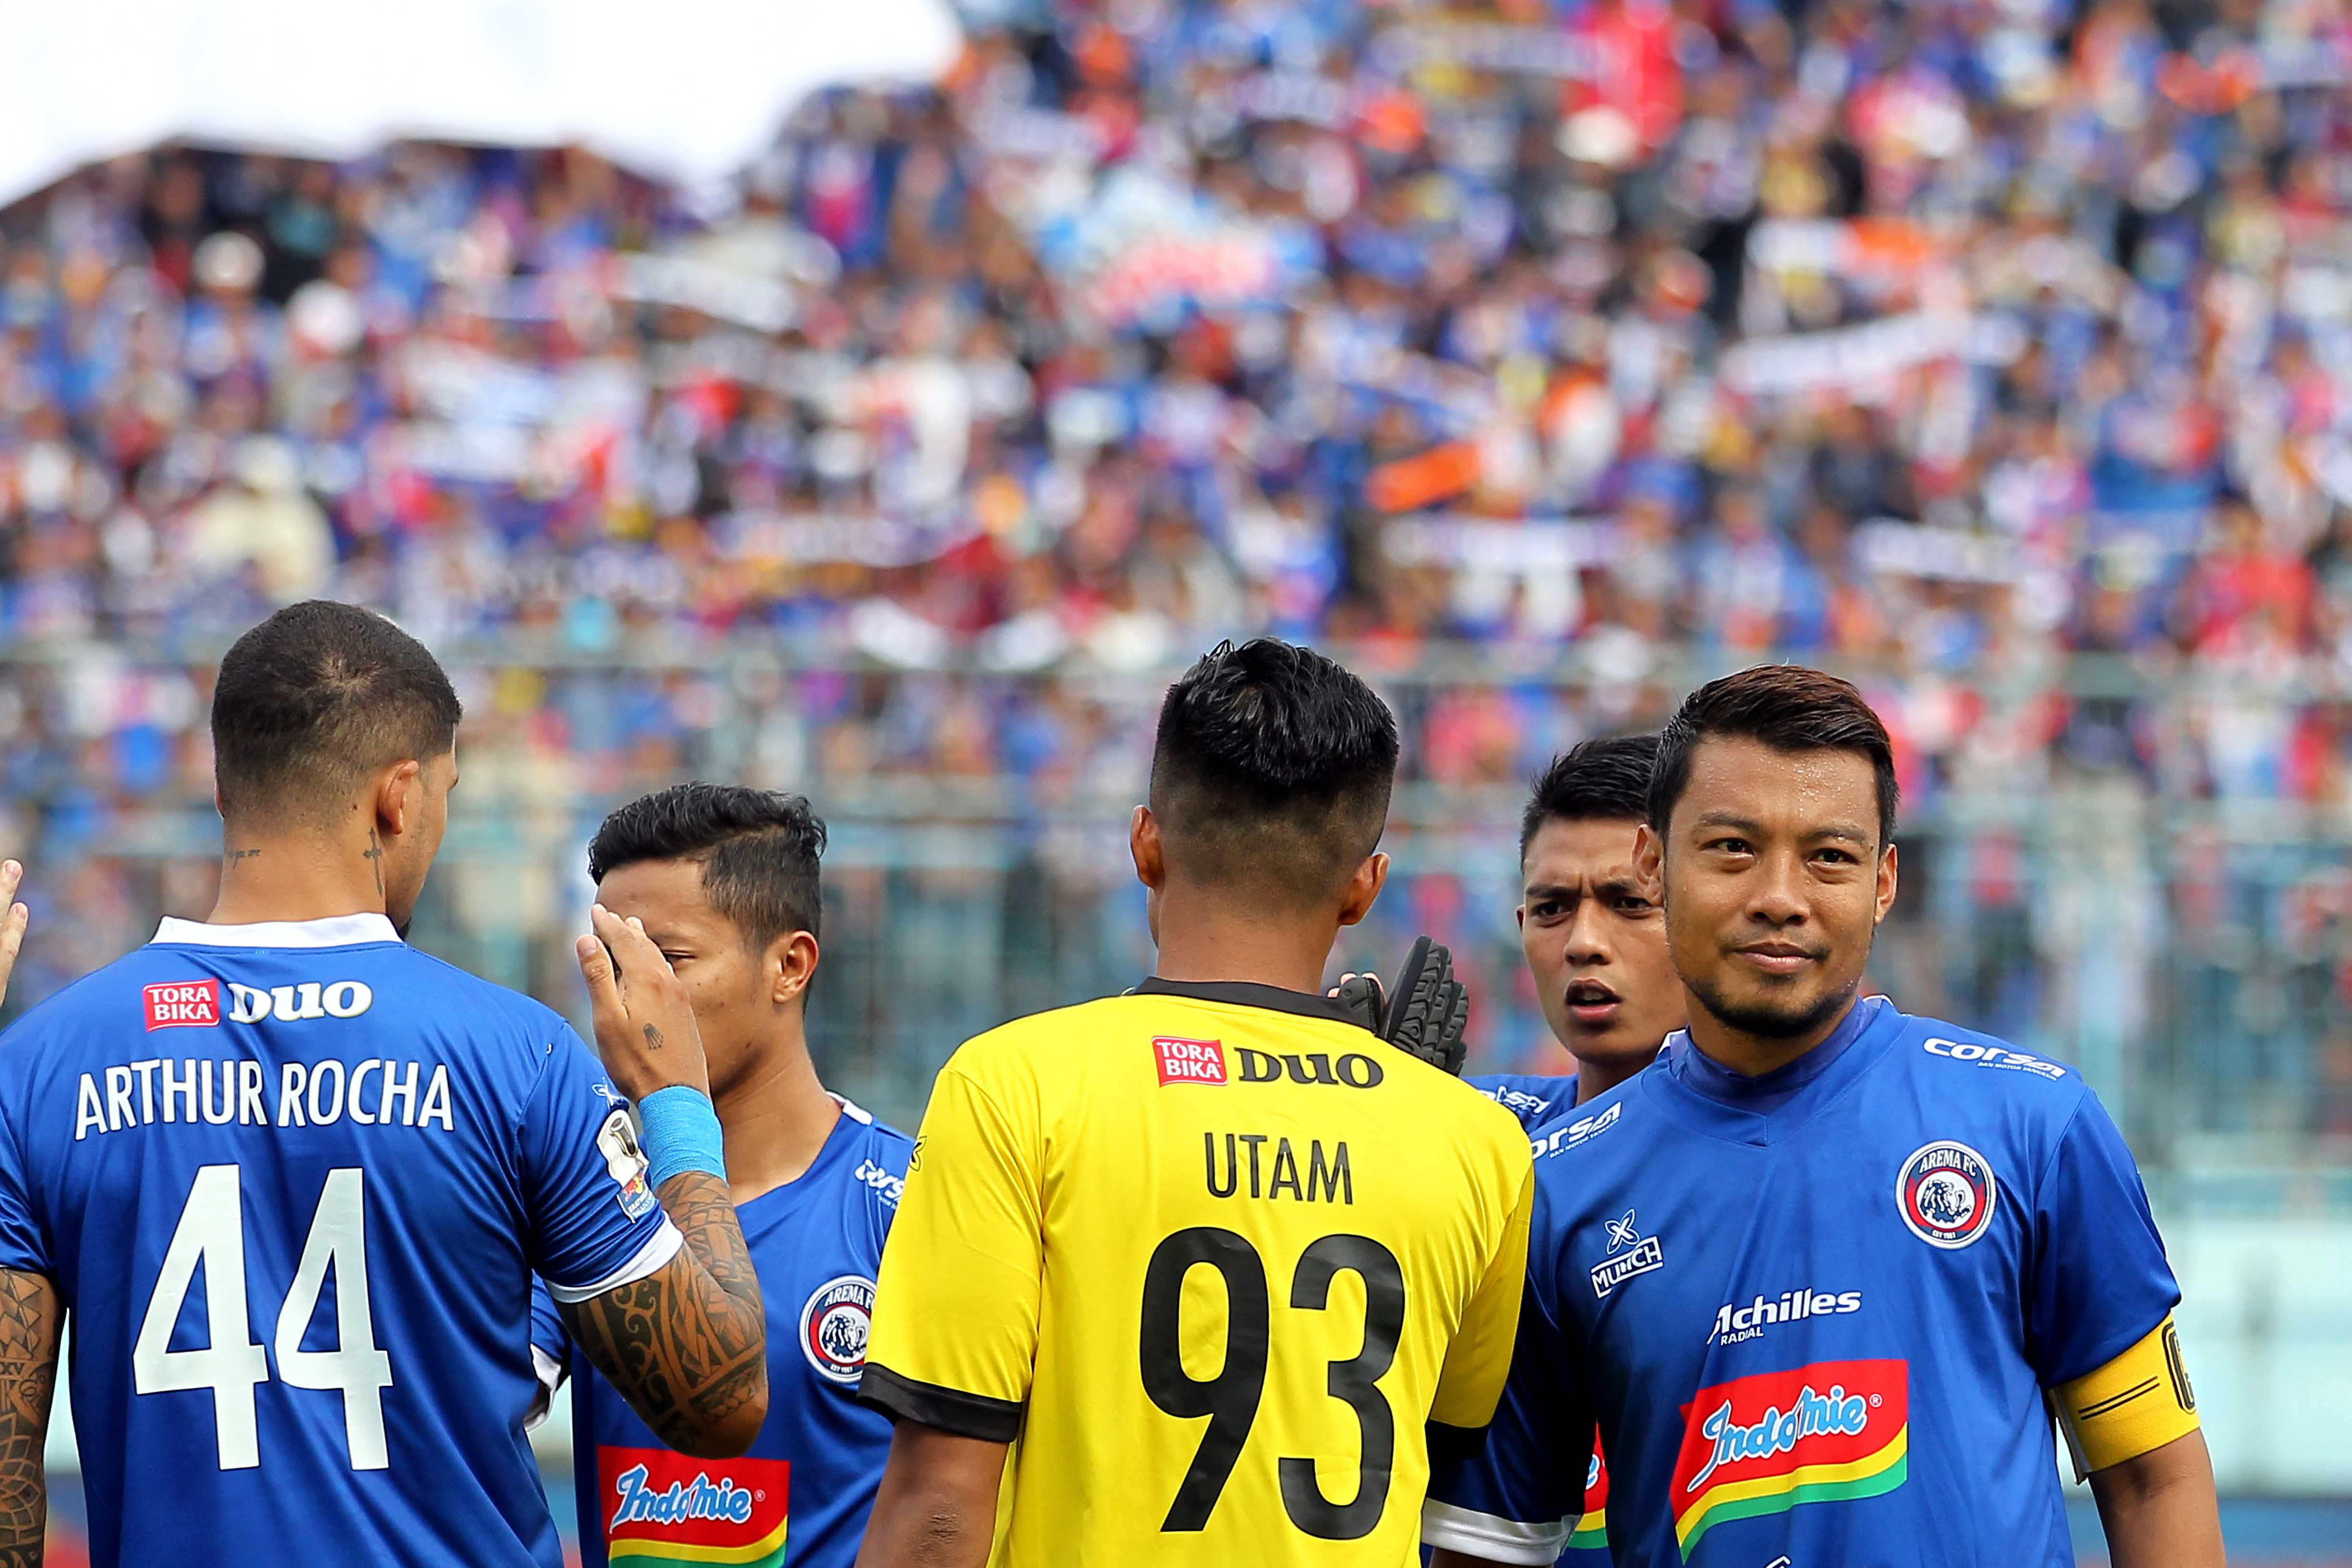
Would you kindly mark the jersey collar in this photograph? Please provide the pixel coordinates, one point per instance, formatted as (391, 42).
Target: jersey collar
(1249, 994)
(335, 931)
(1702, 1094)
(849, 1129)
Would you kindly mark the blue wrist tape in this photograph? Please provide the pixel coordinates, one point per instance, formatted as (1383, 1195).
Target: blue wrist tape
(677, 1127)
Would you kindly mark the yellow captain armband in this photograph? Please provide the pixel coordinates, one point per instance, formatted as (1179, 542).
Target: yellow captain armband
(2135, 1405)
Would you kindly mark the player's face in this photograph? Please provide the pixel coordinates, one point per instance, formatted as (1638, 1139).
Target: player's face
(1774, 884)
(725, 980)
(1596, 941)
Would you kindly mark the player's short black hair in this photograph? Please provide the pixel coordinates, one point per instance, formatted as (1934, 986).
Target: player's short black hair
(758, 850)
(1272, 772)
(315, 699)
(1788, 708)
(1606, 780)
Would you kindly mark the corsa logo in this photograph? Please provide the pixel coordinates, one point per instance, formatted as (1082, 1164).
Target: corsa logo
(664, 1507)
(1830, 1431)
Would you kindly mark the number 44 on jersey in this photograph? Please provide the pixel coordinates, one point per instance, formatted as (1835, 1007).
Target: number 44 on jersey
(211, 1232)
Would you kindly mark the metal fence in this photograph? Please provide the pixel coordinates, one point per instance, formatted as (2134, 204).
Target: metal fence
(2190, 949)
(2192, 954)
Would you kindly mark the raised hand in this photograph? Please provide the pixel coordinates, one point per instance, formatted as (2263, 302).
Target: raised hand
(1426, 1013)
(12, 928)
(645, 1028)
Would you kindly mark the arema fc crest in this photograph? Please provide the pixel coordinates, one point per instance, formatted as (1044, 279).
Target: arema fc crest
(1947, 1194)
(833, 1326)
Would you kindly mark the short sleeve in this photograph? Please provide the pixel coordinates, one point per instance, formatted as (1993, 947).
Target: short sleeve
(550, 1350)
(1518, 1497)
(594, 1222)
(2100, 1280)
(24, 1244)
(1479, 1357)
(955, 1310)
(548, 1337)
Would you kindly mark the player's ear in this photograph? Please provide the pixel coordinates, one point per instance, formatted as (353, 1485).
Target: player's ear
(399, 797)
(792, 964)
(1886, 880)
(1143, 844)
(1650, 861)
(1364, 888)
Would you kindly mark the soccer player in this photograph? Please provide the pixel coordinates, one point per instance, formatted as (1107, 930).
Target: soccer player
(1225, 1264)
(292, 1177)
(1596, 943)
(1591, 928)
(1817, 1278)
(724, 880)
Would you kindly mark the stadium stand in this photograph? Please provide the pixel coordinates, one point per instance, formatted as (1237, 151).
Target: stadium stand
(1542, 359)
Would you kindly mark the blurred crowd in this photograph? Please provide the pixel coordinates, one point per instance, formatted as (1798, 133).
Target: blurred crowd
(1543, 355)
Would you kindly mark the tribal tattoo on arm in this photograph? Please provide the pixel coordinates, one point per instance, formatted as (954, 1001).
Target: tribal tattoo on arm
(29, 1312)
(686, 1346)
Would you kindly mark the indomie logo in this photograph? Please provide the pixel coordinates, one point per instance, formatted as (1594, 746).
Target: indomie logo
(679, 1501)
(1830, 1431)
(1354, 1069)
(1810, 1415)
(667, 1508)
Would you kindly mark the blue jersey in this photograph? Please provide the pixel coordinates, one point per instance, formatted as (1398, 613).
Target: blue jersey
(1537, 1100)
(802, 1493)
(292, 1182)
(1815, 1312)
(1546, 1106)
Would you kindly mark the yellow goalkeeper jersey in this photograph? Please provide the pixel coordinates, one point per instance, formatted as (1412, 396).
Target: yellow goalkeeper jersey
(1219, 1263)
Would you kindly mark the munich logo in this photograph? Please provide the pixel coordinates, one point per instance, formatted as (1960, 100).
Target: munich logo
(1630, 1253)
(1188, 1061)
(183, 1004)
(833, 1326)
(1946, 1193)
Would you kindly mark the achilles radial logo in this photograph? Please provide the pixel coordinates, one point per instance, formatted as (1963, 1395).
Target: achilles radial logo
(1946, 1193)
(1830, 1431)
(666, 1507)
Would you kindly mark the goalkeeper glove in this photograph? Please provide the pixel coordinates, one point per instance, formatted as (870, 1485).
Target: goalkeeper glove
(1426, 1013)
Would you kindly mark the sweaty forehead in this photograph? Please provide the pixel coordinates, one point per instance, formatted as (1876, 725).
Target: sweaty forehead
(1791, 792)
(1586, 853)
